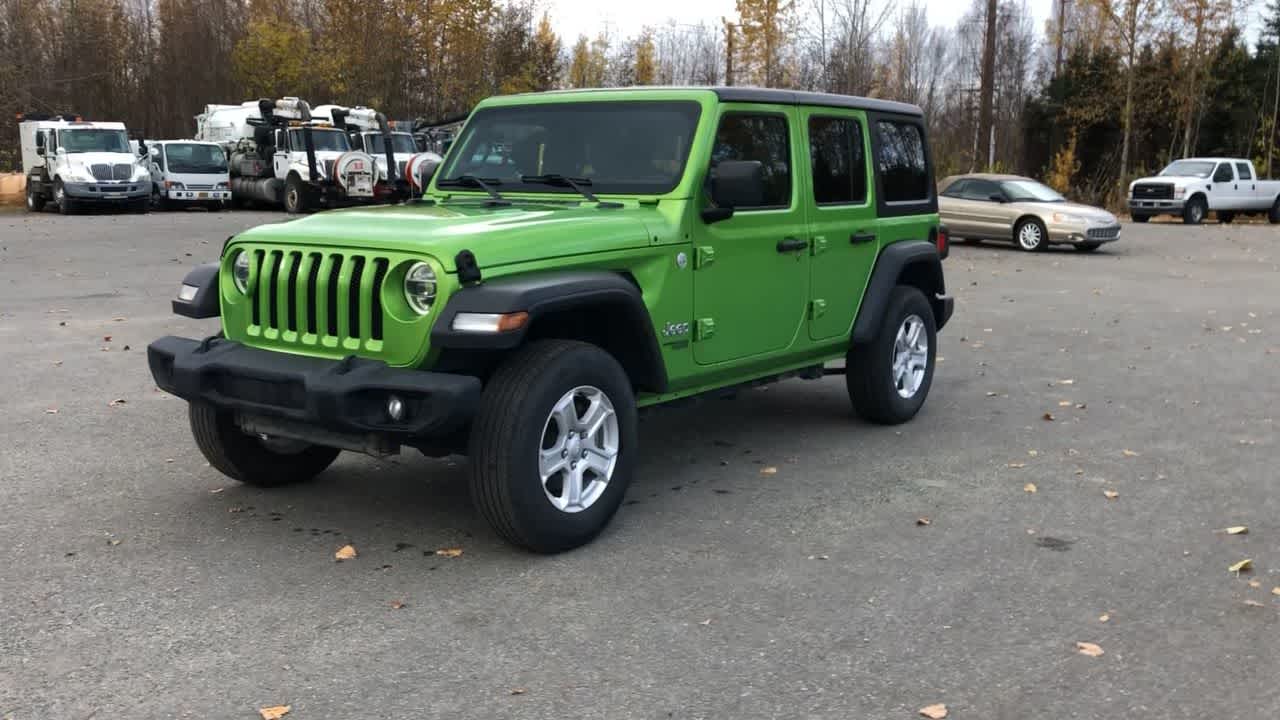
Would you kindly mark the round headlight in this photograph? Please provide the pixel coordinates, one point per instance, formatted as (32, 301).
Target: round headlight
(240, 271)
(420, 287)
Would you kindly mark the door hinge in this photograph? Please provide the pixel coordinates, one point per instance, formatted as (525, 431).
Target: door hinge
(820, 245)
(705, 328)
(817, 308)
(703, 256)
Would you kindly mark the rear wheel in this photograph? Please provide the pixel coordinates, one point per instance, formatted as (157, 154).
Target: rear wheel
(889, 378)
(1140, 218)
(553, 444)
(254, 459)
(1273, 215)
(1031, 235)
(158, 201)
(1194, 211)
(35, 198)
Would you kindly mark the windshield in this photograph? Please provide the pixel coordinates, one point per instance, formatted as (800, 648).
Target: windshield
(94, 140)
(324, 139)
(401, 143)
(194, 158)
(1030, 191)
(1189, 168)
(636, 147)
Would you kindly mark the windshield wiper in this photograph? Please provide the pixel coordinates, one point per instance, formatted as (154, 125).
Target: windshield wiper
(578, 184)
(485, 184)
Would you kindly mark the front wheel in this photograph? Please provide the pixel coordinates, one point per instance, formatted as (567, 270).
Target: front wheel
(553, 444)
(63, 201)
(1031, 235)
(295, 196)
(889, 378)
(1194, 211)
(254, 459)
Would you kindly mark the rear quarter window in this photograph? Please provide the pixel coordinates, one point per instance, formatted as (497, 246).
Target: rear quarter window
(902, 162)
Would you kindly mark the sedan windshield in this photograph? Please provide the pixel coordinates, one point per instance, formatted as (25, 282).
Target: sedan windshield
(401, 144)
(1188, 168)
(615, 147)
(1030, 191)
(325, 140)
(78, 141)
(195, 158)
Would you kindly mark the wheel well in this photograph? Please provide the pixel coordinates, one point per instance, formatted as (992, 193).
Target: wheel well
(927, 278)
(1024, 219)
(1201, 196)
(612, 326)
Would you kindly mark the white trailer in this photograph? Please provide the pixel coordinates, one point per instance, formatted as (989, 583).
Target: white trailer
(75, 164)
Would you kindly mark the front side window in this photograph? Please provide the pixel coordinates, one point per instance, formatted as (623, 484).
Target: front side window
(762, 138)
(838, 161)
(1030, 191)
(194, 158)
(625, 147)
(956, 189)
(1244, 171)
(94, 140)
(325, 140)
(900, 158)
(1188, 168)
(983, 190)
(1223, 173)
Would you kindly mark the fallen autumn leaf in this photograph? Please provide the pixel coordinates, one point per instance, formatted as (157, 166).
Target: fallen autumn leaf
(275, 712)
(1029, 487)
(1237, 530)
(1088, 648)
(397, 605)
(346, 552)
(923, 521)
(1242, 566)
(518, 691)
(1130, 453)
(934, 712)
(1111, 494)
(769, 470)
(1016, 465)
(1104, 617)
(1047, 417)
(449, 552)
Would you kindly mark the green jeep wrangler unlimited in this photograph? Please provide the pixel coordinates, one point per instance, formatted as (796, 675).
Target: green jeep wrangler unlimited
(576, 256)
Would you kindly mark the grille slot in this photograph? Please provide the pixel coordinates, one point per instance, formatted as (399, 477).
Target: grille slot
(1153, 191)
(101, 172)
(122, 172)
(311, 297)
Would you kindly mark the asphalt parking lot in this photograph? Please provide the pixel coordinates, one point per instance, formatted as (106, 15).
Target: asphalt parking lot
(136, 582)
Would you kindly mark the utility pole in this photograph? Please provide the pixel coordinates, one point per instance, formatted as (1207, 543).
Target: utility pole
(728, 52)
(988, 74)
(1062, 31)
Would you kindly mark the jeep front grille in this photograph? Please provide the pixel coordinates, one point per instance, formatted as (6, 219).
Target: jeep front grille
(318, 298)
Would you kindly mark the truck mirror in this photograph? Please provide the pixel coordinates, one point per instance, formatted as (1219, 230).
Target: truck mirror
(734, 184)
(40, 150)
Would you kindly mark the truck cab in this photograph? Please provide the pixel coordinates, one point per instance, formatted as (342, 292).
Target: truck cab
(74, 164)
(578, 255)
(1193, 187)
(188, 173)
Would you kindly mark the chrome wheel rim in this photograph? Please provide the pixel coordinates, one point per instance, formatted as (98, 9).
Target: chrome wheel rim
(1030, 236)
(579, 449)
(910, 356)
(58, 194)
(291, 199)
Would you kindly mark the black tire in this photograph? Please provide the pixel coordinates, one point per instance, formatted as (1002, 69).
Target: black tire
(869, 368)
(511, 429)
(296, 196)
(140, 207)
(247, 458)
(1087, 247)
(1025, 230)
(61, 200)
(1140, 218)
(1273, 215)
(1194, 211)
(35, 198)
(1226, 217)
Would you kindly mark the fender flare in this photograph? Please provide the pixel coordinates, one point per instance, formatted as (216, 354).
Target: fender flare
(921, 257)
(204, 302)
(544, 293)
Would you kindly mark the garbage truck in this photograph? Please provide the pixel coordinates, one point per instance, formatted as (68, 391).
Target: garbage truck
(279, 153)
(75, 164)
(371, 132)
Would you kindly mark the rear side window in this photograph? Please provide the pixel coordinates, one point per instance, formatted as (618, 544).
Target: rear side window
(839, 161)
(758, 137)
(1223, 173)
(1244, 171)
(900, 159)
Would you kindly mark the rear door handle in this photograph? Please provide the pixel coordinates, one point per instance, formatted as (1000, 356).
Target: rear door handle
(859, 238)
(792, 244)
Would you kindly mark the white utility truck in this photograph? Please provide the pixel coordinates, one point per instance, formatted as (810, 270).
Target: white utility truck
(280, 155)
(1191, 187)
(371, 132)
(188, 173)
(75, 164)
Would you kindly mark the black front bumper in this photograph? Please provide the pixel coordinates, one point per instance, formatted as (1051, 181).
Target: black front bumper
(344, 396)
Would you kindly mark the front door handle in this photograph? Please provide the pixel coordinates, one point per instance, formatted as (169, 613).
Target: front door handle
(792, 244)
(859, 238)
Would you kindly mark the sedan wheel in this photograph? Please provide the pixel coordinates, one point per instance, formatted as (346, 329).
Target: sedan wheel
(1031, 235)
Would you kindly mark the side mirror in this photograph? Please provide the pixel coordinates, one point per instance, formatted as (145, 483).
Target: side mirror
(734, 184)
(40, 151)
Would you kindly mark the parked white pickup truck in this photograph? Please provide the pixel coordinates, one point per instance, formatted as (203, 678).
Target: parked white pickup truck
(1194, 186)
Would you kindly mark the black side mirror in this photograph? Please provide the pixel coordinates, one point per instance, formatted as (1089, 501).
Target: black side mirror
(40, 150)
(734, 184)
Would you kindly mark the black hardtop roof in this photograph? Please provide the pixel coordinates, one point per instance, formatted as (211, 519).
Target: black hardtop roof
(770, 96)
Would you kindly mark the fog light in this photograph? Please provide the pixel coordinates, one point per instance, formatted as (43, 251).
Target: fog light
(395, 408)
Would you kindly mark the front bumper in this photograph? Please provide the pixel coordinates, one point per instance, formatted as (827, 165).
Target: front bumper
(199, 195)
(1156, 207)
(342, 396)
(1082, 234)
(108, 191)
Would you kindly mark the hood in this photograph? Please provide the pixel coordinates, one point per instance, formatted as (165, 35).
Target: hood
(1088, 212)
(496, 235)
(1170, 180)
(102, 158)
